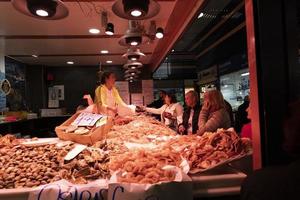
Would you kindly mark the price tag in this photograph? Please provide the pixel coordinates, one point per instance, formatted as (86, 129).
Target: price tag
(86, 119)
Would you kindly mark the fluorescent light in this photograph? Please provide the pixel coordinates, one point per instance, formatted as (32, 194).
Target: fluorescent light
(245, 74)
(200, 15)
(35, 56)
(108, 61)
(70, 63)
(104, 51)
(136, 13)
(42, 13)
(94, 31)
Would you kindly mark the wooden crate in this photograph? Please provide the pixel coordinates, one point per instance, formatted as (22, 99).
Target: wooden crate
(90, 138)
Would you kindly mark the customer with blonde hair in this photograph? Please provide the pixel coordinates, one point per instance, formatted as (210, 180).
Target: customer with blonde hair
(213, 114)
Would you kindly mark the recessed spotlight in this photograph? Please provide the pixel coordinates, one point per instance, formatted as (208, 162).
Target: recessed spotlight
(42, 13)
(35, 56)
(132, 67)
(173, 50)
(136, 13)
(104, 51)
(133, 58)
(131, 81)
(70, 63)
(131, 77)
(94, 31)
(108, 61)
(132, 74)
(159, 33)
(109, 29)
(200, 15)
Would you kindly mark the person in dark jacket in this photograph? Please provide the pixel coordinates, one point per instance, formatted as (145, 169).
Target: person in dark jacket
(228, 108)
(279, 182)
(159, 102)
(191, 114)
(241, 115)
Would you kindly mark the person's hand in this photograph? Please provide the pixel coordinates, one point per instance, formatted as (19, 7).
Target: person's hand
(205, 105)
(113, 109)
(140, 109)
(88, 98)
(181, 129)
(167, 115)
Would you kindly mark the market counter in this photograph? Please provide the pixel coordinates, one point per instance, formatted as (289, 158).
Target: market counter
(40, 127)
(224, 181)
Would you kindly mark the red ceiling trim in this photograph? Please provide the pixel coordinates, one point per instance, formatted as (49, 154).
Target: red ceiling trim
(74, 55)
(59, 36)
(179, 19)
(102, 0)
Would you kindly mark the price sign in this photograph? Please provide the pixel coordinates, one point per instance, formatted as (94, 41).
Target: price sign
(87, 119)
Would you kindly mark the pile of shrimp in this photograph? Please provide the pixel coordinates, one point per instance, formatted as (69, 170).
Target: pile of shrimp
(146, 166)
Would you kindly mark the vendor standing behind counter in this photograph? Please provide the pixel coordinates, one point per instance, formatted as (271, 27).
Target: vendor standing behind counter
(107, 97)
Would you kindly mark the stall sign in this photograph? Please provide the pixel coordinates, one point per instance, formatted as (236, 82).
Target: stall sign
(208, 75)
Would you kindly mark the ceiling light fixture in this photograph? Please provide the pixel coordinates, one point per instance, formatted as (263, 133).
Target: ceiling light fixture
(133, 57)
(133, 65)
(45, 9)
(104, 51)
(42, 13)
(159, 33)
(70, 63)
(134, 43)
(136, 9)
(109, 29)
(134, 35)
(200, 15)
(136, 13)
(133, 54)
(245, 74)
(94, 31)
(108, 61)
(35, 56)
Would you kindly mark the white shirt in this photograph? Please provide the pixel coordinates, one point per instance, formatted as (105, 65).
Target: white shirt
(190, 122)
(175, 109)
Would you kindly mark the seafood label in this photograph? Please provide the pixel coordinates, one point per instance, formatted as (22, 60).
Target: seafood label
(86, 119)
(63, 190)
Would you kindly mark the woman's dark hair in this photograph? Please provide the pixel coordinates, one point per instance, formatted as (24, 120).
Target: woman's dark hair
(172, 97)
(104, 76)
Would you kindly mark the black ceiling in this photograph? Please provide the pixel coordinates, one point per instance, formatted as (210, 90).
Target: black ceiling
(194, 48)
